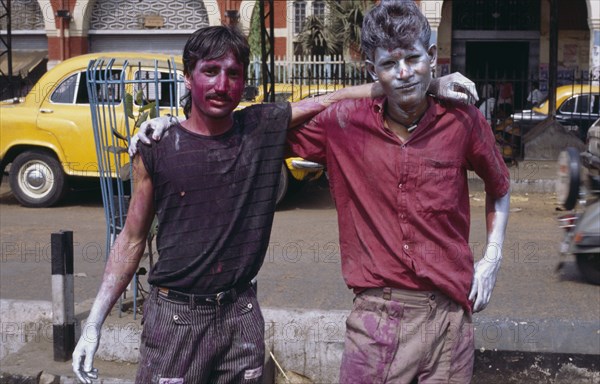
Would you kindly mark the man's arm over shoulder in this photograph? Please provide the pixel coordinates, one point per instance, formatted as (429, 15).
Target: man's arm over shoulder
(123, 261)
(304, 110)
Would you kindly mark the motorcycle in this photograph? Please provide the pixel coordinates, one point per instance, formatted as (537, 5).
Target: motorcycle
(578, 186)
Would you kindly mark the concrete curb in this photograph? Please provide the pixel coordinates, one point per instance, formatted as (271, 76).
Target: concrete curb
(304, 341)
(520, 185)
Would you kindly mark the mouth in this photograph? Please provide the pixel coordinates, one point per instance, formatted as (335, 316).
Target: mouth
(406, 87)
(219, 99)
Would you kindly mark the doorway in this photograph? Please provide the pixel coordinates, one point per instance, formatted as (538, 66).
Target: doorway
(496, 61)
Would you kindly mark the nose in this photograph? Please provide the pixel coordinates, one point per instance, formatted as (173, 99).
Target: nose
(404, 70)
(221, 82)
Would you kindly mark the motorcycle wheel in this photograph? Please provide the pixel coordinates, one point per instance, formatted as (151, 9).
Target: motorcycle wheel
(589, 266)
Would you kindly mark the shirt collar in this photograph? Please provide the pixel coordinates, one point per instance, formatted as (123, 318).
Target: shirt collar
(434, 109)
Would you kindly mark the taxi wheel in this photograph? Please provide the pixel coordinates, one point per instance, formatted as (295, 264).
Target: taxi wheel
(284, 182)
(37, 179)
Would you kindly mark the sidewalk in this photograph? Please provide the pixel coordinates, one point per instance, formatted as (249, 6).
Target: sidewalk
(530, 176)
(537, 346)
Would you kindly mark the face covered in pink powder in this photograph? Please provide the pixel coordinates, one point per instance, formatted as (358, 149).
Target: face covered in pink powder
(216, 86)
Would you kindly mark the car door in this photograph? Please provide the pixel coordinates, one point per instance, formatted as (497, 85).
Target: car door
(158, 86)
(65, 113)
(578, 112)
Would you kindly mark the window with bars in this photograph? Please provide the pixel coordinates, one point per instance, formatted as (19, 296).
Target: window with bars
(496, 15)
(299, 16)
(319, 9)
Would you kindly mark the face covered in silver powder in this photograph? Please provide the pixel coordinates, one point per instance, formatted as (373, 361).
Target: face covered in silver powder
(404, 73)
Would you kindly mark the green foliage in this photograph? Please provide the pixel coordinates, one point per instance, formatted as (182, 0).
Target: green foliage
(340, 32)
(145, 110)
(254, 35)
(317, 39)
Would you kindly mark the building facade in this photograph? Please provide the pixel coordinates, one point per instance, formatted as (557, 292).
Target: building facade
(481, 38)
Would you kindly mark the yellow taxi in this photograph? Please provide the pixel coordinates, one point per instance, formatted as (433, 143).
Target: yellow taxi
(577, 107)
(47, 137)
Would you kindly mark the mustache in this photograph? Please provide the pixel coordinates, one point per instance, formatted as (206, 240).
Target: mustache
(218, 96)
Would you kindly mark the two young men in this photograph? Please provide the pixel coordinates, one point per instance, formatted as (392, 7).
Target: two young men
(212, 182)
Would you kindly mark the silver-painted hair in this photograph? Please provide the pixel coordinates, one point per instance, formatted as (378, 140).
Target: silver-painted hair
(394, 24)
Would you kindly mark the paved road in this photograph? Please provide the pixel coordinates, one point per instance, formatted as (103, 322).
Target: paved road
(302, 268)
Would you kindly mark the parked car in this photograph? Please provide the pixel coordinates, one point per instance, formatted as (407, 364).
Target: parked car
(577, 107)
(47, 139)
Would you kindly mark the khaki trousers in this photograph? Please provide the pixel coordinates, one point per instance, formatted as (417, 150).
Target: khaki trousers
(396, 336)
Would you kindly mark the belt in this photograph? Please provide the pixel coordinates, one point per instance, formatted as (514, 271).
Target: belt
(402, 294)
(219, 298)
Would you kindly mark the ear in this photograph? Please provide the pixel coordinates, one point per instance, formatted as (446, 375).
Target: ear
(432, 52)
(188, 82)
(371, 70)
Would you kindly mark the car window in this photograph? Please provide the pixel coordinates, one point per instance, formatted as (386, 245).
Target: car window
(583, 104)
(65, 91)
(107, 91)
(595, 104)
(569, 105)
(73, 90)
(166, 88)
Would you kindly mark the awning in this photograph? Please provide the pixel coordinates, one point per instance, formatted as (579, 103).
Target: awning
(23, 62)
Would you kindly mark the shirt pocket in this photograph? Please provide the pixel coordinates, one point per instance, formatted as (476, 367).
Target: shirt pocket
(438, 185)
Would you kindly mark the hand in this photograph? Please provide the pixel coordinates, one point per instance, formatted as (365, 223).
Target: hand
(156, 126)
(457, 87)
(484, 278)
(83, 355)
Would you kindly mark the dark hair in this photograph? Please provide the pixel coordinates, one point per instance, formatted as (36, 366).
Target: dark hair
(394, 24)
(211, 43)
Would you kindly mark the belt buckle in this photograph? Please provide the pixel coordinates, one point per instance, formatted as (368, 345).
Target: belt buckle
(218, 298)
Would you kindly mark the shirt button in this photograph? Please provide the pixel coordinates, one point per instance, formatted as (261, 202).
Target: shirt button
(406, 247)
(402, 216)
(249, 305)
(175, 317)
(400, 185)
(432, 297)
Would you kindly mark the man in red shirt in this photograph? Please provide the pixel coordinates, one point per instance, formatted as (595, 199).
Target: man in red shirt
(398, 175)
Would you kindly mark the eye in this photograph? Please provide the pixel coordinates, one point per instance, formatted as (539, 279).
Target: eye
(210, 71)
(234, 73)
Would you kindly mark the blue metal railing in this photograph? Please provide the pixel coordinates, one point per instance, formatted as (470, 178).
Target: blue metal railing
(116, 87)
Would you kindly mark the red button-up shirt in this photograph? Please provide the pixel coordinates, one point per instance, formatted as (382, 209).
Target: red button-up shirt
(403, 208)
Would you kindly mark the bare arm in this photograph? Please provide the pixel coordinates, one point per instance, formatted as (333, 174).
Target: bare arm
(451, 87)
(486, 269)
(306, 109)
(121, 266)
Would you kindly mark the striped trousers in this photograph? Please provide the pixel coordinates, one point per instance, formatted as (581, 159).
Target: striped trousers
(206, 344)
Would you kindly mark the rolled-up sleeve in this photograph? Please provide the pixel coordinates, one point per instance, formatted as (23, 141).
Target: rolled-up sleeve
(485, 159)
